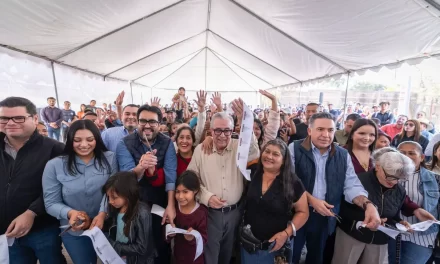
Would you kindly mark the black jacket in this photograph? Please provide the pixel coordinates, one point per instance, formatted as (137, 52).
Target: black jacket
(389, 204)
(20, 180)
(140, 249)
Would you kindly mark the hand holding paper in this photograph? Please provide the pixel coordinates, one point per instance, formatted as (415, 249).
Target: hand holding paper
(187, 233)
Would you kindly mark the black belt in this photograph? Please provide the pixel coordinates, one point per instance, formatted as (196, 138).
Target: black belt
(253, 247)
(227, 209)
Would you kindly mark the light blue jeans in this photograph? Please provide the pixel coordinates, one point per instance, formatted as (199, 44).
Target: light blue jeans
(54, 133)
(261, 256)
(414, 254)
(80, 249)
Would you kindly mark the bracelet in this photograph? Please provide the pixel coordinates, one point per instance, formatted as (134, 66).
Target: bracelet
(286, 233)
(293, 228)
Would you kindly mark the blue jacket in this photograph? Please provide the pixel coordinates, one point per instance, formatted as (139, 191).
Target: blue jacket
(335, 170)
(430, 190)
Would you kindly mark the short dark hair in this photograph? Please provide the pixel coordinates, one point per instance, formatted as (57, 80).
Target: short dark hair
(358, 124)
(93, 100)
(150, 108)
(321, 115)
(53, 98)
(181, 88)
(130, 105)
(41, 123)
(312, 104)
(89, 113)
(353, 117)
(19, 102)
(384, 102)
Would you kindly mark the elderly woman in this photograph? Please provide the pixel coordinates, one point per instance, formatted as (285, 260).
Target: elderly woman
(423, 188)
(369, 246)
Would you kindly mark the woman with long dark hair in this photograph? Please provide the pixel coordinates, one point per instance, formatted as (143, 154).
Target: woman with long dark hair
(185, 139)
(361, 143)
(72, 184)
(410, 132)
(276, 207)
(434, 165)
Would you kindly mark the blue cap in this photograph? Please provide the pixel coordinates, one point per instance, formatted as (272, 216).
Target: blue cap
(193, 122)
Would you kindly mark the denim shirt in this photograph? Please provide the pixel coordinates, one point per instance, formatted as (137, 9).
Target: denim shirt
(429, 187)
(112, 136)
(64, 192)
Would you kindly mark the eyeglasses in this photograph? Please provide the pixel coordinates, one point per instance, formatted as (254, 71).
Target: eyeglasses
(226, 132)
(151, 122)
(16, 119)
(392, 178)
(409, 124)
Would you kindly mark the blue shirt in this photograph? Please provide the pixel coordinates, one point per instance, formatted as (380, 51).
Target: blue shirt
(112, 136)
(352, 185)
(67, 116)
(127, 162)
(427, 134)
(64, 192)
(120, 236)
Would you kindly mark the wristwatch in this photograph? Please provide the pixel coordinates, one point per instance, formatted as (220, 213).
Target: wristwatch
(364, 206)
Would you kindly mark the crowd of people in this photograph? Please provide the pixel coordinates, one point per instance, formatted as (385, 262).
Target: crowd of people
(310, 184)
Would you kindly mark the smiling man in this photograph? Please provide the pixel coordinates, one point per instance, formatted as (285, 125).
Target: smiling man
(145, 151)
(328, 175)
(23, 156)
(113, 135)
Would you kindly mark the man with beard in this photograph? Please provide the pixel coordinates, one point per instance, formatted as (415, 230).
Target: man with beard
(393, 129)
(145, 152)
(113, 135)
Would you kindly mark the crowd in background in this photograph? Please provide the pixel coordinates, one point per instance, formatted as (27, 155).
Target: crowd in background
(310, 182)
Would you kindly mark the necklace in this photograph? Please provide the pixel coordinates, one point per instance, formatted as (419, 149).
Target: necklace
(365, 166)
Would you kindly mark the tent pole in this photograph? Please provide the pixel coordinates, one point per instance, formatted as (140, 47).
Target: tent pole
(131, 91)
(55, 84)
(346, 95)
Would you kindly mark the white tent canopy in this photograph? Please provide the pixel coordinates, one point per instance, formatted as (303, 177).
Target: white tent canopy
(222, 45)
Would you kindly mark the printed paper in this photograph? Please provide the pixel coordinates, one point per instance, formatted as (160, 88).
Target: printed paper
(420, 227)
(172, 230)
(244, 141)
(158, 210)
(102, 247)
(5, 243)
(388, 231)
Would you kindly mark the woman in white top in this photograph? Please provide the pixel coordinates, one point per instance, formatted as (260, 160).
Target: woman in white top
(423, 189)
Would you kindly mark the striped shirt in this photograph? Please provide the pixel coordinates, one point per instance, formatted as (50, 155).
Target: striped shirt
(412, 187)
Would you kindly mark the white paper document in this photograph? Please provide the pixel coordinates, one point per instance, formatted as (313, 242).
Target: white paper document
(388, 231)
(5, 243)
(102, 247)
(422, 226)
(158, 210)
(172, 230)
(244, 141)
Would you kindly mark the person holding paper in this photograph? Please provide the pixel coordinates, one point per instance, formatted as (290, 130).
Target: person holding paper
(276, 207)
(222, 185)
(72, 187)
(327, 172)
(23, 155)
(146, 152)
(131, 234)
(422, 187)
(365, 245)
(190, 215)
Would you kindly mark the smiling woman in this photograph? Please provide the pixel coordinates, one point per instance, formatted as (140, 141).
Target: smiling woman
(72, 184)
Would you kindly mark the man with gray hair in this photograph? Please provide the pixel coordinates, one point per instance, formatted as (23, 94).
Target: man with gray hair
(327, 173)
(222, 184)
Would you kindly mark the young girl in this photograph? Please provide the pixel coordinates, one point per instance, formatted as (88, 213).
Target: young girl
(190, 215)
(131, 234)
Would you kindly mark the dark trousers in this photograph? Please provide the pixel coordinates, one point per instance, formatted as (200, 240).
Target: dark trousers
(43, 245)
(314, 233)
(162, 247)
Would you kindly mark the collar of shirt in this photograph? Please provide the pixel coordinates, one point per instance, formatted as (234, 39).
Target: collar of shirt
(78, 160)
(228, 147)
(317, 151)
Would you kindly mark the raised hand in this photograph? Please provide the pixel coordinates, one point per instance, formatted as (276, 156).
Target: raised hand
(267, 94)
(237, 107)
(201, 100)
(213, 108)
(155, 102)
(217, 99)
(120, 99)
